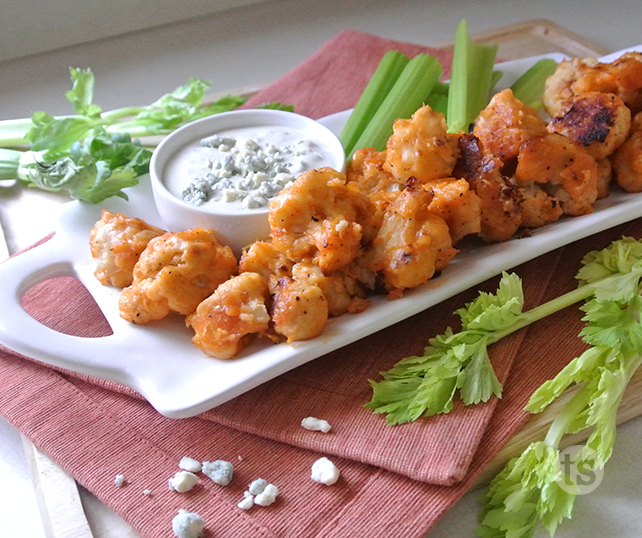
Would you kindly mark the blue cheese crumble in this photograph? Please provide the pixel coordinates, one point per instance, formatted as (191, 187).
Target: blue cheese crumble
(316, 424)
(187, 524)
(325, 472)
(260, 493)
(219, 471)
(251, 171)
(182, 481)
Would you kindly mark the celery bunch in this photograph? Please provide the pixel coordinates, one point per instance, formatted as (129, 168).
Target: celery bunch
(398, 87)
(528, 489)
(94, 154)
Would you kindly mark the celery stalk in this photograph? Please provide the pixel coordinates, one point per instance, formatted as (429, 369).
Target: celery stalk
(409, 93)
(529, 88)
(9, 163)
(495, 78)
(383, 79)
(438, 98)
(471, 79)
(13, 163)
(13, 132)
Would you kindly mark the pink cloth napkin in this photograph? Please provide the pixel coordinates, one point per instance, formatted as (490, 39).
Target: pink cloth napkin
(395, 481)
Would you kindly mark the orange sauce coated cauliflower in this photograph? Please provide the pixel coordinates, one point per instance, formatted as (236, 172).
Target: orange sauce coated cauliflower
(175, 272)
(116, 242)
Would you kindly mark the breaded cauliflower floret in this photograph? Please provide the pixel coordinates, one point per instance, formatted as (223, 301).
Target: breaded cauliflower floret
(595, 121)
(413, 243)
(505, 124)
(578, 76)
(501, 211)
(224, 322)
(627, 159)
(562, 169)
(343, 292)
(116, 242)
(264, 258)
(174, 274)
(366, 172)
(299, 308)
(456, 203)
(421, 148)
(321, 218)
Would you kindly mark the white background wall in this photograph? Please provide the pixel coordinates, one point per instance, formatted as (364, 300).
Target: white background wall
(32, 26)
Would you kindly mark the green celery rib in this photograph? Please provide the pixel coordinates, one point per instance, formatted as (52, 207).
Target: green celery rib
(13, 163)
(383, 79)
(495, 78)
(409, 93)
(438, 98)
(471, 79)
(529, 88)
(9, 163)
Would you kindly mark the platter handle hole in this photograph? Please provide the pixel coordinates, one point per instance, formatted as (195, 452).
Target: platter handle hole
(64, 305)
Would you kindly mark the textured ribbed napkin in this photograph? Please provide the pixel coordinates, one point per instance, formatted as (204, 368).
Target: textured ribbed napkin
(396, 481)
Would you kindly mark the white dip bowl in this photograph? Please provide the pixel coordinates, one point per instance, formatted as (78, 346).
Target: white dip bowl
(181, 157)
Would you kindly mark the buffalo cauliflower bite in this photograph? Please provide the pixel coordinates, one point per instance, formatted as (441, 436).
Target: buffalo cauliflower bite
(559, 87)
(595, 121)
(413, 243)
(455, 202)
(627, 159)
(264, 258)
(342, 292)
(604, 177)
(421, 148)
(622, 77)
(116, 242)
(538, 207)
(225, 322)
(505, 124)
(299, 308)
(562, 169)
(367, 173)
(175, 272)
(501, 210)
(319, 217)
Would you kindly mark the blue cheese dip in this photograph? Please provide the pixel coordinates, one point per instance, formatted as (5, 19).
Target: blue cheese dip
(246, 167)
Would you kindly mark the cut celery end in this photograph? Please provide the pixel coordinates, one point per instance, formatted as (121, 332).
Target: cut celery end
(382, 81)
(409, 93)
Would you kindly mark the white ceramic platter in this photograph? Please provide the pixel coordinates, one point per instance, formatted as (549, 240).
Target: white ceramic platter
(159, 360)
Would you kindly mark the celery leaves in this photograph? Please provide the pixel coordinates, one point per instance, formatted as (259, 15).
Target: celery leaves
(526, 488)
(97, 169)
(426, 385)
(458, 362)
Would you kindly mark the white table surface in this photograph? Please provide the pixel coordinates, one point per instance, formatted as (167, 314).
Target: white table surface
(259, 43)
